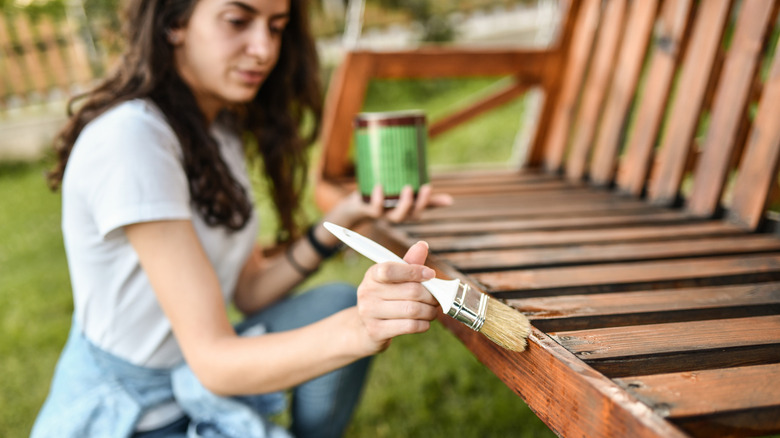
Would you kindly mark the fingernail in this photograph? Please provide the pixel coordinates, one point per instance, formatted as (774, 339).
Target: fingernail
(428, 273)
(423, 242)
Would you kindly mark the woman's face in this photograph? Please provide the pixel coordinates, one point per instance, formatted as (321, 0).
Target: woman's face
(228, 48)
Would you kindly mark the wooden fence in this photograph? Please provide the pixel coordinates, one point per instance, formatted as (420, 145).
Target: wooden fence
(40, 60)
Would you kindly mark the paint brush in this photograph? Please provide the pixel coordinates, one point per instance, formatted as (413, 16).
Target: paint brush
(482, 313)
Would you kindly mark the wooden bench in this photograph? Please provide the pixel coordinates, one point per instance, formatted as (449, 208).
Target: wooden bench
(643, 253)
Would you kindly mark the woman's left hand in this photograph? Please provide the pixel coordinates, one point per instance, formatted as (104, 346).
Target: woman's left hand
(353, 209)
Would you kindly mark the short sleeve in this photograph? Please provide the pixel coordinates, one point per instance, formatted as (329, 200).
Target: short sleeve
(128, 165)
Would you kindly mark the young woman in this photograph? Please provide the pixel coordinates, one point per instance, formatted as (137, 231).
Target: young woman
(159, 227)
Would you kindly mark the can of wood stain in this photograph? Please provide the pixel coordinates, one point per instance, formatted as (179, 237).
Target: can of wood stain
(391, 152)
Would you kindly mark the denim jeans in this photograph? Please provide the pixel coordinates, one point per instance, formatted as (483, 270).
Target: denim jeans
(321, 407)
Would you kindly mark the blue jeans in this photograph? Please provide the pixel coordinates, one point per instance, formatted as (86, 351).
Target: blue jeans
(321, 407)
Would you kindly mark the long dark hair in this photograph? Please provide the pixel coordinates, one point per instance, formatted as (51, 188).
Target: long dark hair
(273, 120)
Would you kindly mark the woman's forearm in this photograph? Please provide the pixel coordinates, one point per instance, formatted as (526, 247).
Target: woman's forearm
(276, 361)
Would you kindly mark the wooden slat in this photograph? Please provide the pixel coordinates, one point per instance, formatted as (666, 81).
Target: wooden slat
(600, 72)
(343, 102)
(77, 54)
(589, 311)
(710, 391)
(460, 62)
(490, 196)
(12, 69)
(577, 61)
(714, 402)
(535, 211)
(551, 84)
(32, 58)
(619, 342)
(573, 237)
(695, 77)
(459, 176)
(757, 174)
(504, 188)
(621, 93)
(655, 301)
(58, 73)
(736, 83)
(631, 276)
(668, 36)
(622, 252)
(501, 97)
(457, 228)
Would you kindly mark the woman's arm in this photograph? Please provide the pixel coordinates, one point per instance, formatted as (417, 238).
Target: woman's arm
(264, 281)
(391, 302)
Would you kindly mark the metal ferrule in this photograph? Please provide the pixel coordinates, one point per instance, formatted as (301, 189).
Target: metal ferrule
(469, 307)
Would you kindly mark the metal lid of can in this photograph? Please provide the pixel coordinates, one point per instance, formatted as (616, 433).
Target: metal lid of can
(390, 118)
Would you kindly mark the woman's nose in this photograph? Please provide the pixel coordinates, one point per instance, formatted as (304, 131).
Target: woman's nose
(261, 44)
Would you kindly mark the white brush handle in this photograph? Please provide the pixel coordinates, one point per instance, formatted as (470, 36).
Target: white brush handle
(443, 290)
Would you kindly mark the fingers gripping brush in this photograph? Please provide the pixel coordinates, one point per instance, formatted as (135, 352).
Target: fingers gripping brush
(500, 323)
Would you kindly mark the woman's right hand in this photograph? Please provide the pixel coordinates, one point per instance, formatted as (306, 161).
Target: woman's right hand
(392, 302)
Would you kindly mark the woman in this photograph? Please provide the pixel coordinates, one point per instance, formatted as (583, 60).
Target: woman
(159, 229)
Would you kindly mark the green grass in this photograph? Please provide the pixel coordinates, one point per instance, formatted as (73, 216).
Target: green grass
(424, 385)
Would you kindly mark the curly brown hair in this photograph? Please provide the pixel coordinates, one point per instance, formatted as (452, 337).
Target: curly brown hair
(273, 120)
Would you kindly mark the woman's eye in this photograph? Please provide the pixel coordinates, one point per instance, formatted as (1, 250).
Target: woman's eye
(238, 22)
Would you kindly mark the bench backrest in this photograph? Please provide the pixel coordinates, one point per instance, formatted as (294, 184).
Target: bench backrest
(703, 64)
(675, 101)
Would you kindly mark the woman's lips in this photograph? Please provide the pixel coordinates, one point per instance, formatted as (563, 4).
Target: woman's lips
(251, 77)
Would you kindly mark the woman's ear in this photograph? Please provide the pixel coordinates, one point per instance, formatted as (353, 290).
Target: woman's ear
(175, 36)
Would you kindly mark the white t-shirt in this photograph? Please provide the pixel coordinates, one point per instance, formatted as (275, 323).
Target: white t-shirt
(125, 168)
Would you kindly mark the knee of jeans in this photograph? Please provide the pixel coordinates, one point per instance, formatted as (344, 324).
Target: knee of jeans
(339, 296)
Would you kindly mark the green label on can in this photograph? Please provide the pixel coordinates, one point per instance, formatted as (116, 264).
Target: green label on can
(391, 156)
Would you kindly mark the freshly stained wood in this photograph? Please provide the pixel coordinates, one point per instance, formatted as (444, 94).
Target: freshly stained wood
(571, 237)
(547, 376)
(634, 167)
(579, 55)
(731, 102)
(684, 118)
(566, 194)
(551, 209)
(709, 391)
(614, 342)
(759, 167)
(622, 252)
(636, 275)
(628, 288)
(600, 72)
(654, 301)
(637, 217)
(580, 312)
(621, 92)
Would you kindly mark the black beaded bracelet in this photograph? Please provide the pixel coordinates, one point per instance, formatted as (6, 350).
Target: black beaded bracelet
(323, 250)
(294, 263)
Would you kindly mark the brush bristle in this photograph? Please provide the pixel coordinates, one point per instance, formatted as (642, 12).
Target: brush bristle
(505, 326)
